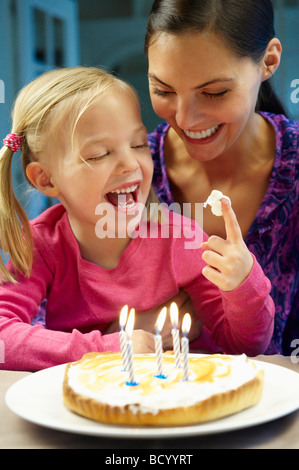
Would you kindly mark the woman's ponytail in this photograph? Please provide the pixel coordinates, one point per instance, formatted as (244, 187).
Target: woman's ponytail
(268, 100)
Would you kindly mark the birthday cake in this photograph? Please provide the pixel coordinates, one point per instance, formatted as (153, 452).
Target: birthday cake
(97, 387)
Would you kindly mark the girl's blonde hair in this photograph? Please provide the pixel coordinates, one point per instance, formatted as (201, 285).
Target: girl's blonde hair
(38, 110)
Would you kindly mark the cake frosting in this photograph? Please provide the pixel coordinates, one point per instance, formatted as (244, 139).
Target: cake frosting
(214, 200)
(100, 378)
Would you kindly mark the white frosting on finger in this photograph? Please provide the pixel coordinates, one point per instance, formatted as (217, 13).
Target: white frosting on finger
(214, 200)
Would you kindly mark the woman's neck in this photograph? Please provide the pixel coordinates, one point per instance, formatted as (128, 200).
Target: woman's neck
(254, 147)
(242, 174)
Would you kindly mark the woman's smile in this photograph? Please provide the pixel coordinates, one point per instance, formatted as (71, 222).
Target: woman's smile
(202, 104)
(203, 136)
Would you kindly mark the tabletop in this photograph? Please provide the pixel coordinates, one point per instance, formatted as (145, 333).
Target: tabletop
(16, 433)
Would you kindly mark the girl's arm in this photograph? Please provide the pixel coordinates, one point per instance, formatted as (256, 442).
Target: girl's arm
(32, 348)
(238, 321)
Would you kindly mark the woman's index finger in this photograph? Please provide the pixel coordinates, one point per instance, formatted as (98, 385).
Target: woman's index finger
(232, 227)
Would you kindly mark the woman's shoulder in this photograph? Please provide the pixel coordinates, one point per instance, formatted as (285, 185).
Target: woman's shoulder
(286, 129)
(157, 135)
(287, 146)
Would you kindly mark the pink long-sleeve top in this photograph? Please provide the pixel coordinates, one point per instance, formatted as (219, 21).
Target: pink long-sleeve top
(84, 298)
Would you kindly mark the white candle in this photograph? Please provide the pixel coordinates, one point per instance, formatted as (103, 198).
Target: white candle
(174, 315)
(185, 344)
(131, 380)
(130, 363)
(123, 336)
(158, 342)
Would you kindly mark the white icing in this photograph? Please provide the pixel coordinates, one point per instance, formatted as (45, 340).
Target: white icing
(214, 200)
(115, 392)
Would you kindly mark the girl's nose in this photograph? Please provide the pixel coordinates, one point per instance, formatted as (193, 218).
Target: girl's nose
(127, 163)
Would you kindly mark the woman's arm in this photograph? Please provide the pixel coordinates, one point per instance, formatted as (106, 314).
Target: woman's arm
(146, 320)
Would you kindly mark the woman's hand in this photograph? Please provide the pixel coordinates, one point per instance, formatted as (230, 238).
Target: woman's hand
(185, 307)
(143, 342)
(229, 261)
(146, 320)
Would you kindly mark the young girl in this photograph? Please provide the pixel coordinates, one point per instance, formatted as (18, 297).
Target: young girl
(83, 141)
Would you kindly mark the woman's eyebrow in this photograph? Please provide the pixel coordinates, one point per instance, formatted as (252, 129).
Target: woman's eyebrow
(210, 82)
(151, 75)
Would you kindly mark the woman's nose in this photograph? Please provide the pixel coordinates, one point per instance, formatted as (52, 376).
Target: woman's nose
(188, 113)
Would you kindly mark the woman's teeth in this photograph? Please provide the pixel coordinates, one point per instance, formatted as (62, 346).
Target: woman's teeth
(131, 189)
(202, 134)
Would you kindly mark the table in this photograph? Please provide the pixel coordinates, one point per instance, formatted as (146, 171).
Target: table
(16, 433)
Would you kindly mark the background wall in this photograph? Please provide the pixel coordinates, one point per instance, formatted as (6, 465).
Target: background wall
(117, 29)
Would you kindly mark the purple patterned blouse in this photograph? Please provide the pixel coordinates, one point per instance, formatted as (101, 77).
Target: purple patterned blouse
(274, 234)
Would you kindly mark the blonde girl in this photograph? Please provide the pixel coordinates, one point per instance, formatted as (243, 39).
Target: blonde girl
(83, 141)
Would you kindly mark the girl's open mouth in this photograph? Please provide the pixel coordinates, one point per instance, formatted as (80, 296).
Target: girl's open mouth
(124, 198)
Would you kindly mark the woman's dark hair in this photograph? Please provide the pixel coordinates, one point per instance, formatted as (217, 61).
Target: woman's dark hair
(246, 25)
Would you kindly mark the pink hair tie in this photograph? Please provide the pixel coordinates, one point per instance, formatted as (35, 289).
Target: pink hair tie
(13, 141)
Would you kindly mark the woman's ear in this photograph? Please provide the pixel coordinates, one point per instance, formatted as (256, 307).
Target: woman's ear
(271, 58)
(41, 180)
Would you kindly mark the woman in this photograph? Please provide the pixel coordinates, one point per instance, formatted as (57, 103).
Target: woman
(209, 66)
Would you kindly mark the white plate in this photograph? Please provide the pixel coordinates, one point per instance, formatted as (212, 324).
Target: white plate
(38, 398)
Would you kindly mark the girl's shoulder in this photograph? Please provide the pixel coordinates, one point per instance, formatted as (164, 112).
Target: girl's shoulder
(50, 228)
(49, 219)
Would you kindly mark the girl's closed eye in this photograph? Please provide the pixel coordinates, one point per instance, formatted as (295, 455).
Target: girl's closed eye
(96, 158)
(141, 145)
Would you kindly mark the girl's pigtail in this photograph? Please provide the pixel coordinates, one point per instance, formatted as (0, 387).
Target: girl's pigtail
(15, 233)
